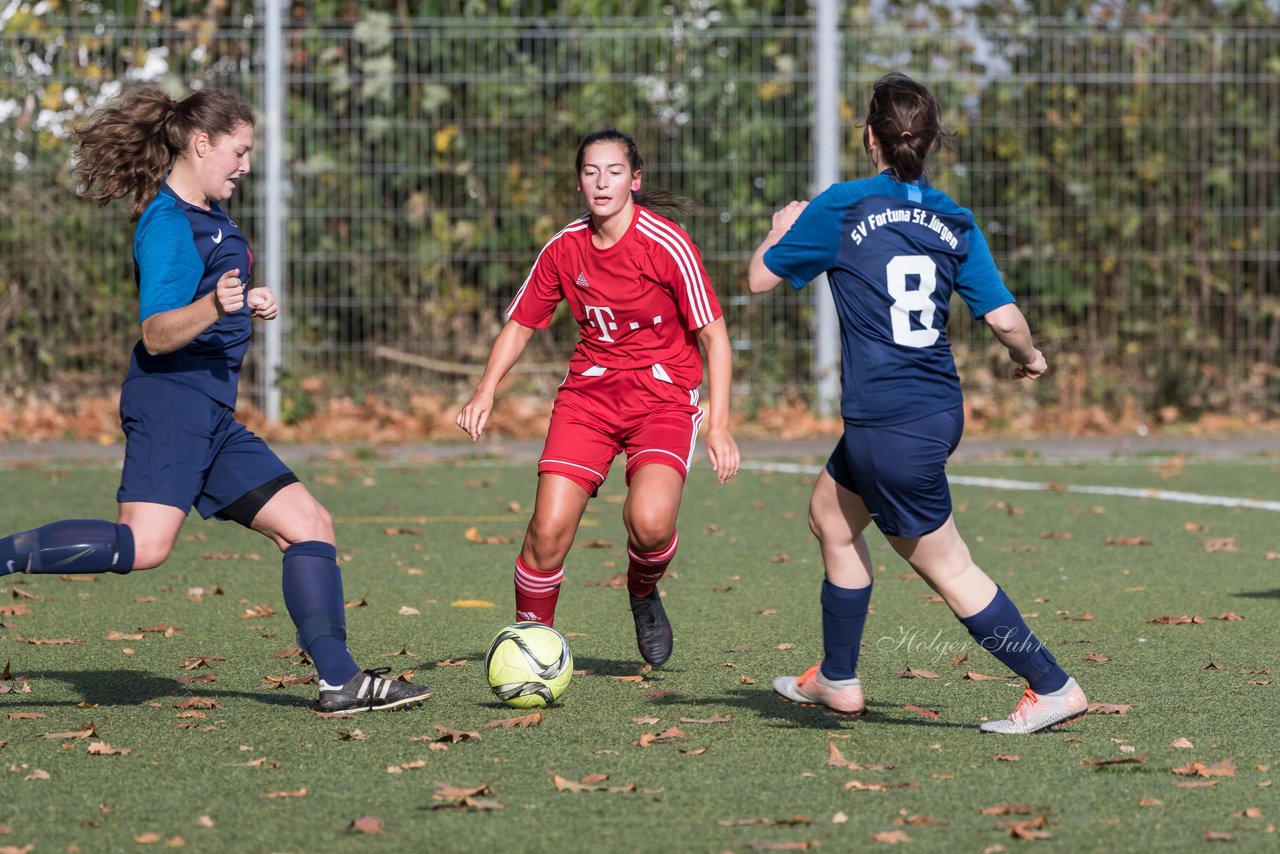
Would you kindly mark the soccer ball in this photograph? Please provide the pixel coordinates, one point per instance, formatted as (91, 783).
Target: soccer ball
(528, 665)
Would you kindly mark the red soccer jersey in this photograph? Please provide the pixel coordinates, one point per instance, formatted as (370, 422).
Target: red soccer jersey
(638, 303)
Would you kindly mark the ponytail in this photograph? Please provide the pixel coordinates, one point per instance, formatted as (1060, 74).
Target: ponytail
(127, 148)
(907, 123)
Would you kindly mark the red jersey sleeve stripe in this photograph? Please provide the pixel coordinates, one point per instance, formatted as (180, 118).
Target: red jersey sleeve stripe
(576, 225)
(686, 259)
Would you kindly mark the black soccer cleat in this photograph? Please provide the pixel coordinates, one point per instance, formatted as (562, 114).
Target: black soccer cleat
(653, 629)
(368, 691)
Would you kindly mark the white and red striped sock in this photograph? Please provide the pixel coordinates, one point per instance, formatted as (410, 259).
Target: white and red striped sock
(645, 569)
(537, 591)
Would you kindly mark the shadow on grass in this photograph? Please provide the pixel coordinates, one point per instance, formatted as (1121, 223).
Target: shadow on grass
(1259, 594)
(774, 711)
(134, 687)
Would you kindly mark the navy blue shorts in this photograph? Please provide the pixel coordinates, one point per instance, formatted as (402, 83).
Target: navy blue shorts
(900, 471)
(184, 449)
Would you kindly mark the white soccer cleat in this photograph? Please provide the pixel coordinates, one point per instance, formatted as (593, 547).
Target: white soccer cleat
(1037, 712)
(813, 689)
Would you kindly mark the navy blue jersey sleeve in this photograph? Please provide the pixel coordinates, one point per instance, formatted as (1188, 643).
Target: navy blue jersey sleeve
(978, 281)
(169, 266)
(812, 244)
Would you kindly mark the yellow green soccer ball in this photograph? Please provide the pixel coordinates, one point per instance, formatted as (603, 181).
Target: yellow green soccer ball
(528, 665)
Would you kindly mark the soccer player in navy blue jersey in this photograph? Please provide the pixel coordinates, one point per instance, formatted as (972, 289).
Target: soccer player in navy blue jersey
(894, 250)
(176, 162)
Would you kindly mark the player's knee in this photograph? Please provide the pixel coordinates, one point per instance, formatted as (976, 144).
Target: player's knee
(829, 527)
(547, 543)
(650, 533)
(149, 553)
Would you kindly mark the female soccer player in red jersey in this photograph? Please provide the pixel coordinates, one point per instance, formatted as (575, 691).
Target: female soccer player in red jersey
(644, 305)
(895, 249)
(176, 162)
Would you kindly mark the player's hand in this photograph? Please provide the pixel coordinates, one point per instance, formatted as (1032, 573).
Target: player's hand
(475, 415)
(262, 303)
(1033, 369)
(228, 294)
(784, 218)
(723, 453)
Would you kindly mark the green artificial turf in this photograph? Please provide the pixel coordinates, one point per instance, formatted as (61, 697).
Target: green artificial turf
(745, 771)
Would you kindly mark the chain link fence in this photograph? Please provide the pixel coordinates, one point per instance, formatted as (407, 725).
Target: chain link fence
(1125, 171)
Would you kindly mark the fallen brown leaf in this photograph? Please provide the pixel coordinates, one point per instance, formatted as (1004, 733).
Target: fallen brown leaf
(47, 641)
(367, 824)
(1096, 656)
(454, 736)
(1221, 544)
(1229, 616)
(714, 719)
(917, 673)
(982, 677)
(299, 793)
(1127, 541)
(197, 703)
(1109, 708)
(1031, 829)
(532, 719)
(1008, 809)
(77, 734)
(891, 837)
(406, 766)
(101, 748)
(589, 783)
(1006, 757)
(1222, 768)
(474, 535)
(928, 713)
(794, 821)
(1166, 620)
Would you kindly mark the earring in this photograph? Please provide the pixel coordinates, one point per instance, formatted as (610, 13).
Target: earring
(635, 186)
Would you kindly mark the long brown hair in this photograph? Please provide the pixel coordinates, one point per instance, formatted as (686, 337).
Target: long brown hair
(666, 203)
(126, 148)
(907, 122)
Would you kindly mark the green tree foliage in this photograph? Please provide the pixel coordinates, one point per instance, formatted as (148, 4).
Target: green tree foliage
(1121, 159)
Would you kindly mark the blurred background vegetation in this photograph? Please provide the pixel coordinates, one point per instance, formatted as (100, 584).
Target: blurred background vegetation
(1121, 157)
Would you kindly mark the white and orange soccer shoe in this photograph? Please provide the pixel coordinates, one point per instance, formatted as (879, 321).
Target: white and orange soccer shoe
(812, 689)
(1040, 712)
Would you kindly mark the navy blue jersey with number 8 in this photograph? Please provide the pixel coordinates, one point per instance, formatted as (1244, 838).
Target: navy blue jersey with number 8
(894, 252)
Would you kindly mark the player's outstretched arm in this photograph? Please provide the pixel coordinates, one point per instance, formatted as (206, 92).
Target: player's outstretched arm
(506, 351)
(759, 277)
(171, 330)
(722, 450)
(1011, 329)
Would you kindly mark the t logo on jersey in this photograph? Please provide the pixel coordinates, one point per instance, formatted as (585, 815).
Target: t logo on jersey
(601, 317)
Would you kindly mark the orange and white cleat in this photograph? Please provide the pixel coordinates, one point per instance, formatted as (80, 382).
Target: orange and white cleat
(1040, 712)
(812, 689)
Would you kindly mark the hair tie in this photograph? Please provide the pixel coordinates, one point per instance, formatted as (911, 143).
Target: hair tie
(905, 134)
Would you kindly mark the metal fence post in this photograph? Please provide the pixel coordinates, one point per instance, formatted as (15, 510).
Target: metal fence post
(826, 171)
(273, 196)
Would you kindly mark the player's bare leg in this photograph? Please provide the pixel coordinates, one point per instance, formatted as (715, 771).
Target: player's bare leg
(649, 514)
(838, 519)
(557, 512)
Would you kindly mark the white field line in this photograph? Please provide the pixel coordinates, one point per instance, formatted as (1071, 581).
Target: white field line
(1033, 486)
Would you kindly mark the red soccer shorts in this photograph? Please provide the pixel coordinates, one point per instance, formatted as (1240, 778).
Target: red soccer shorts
(596, 417)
